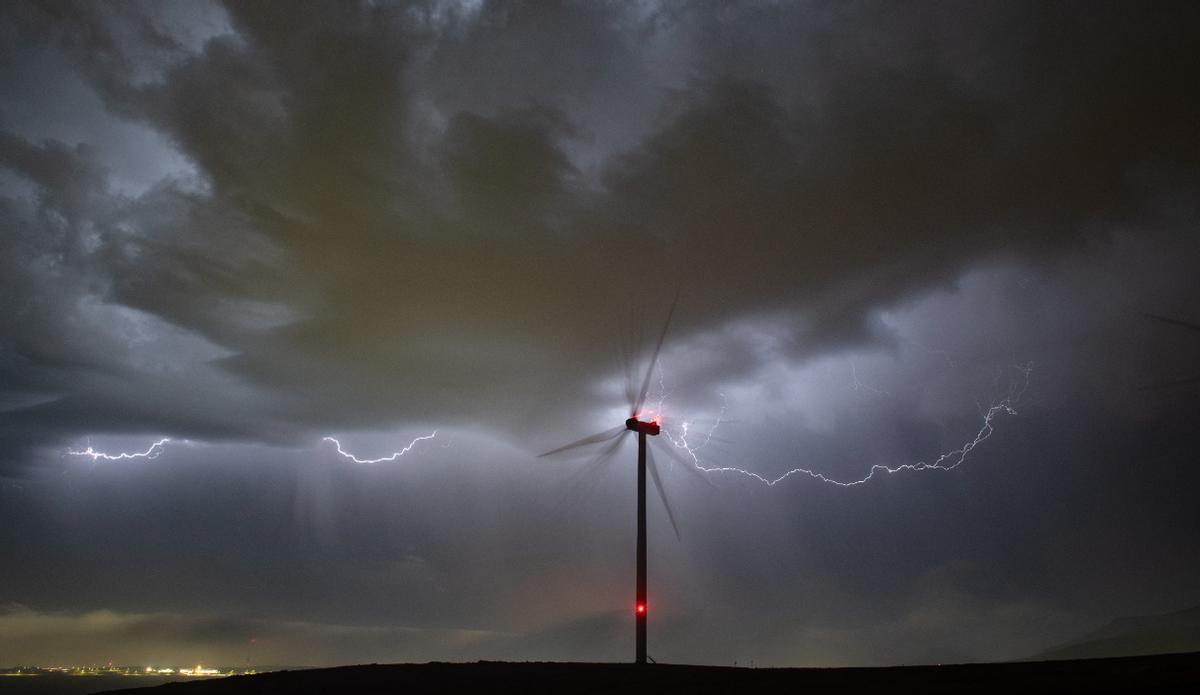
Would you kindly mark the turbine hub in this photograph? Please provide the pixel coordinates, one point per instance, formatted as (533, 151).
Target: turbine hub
(650, 428)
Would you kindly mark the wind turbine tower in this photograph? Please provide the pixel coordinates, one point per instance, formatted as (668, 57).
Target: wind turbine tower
(649, 427)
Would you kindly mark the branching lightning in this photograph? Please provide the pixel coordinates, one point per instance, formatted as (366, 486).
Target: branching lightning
(152, 453)
(944, 462)
(395, 455)
(156, 449)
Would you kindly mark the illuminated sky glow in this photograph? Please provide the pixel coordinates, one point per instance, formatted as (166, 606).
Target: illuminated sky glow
(246, 248)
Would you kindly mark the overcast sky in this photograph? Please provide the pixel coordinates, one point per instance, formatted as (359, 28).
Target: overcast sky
(900, 233)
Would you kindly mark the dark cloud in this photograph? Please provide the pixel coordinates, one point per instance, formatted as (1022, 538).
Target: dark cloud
(259, 224)
(920, 142)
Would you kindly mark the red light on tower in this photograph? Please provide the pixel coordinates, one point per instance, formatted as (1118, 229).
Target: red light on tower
(640, 609)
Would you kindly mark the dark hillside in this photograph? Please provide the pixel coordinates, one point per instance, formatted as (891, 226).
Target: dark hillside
(1178, 673)
(1176, 632)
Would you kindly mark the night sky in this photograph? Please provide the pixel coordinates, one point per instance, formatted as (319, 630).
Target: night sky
(249, 227)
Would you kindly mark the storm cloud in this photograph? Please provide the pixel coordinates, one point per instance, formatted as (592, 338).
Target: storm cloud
(246, 227)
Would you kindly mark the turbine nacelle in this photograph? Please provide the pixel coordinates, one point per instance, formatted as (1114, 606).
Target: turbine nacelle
(650, 428)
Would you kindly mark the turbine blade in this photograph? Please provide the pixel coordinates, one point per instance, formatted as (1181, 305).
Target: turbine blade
(1174, 322)
(593, 439)
(688, 465)
(586, 473)
(607, 452)
(627, 357)
(629, 393)
(662, 492)
(641, 399)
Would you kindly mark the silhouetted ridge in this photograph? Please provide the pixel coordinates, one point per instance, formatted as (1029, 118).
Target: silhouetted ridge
(1168, 633)
(1176, 673)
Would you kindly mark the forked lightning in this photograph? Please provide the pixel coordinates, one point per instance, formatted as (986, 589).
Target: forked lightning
(392, 457)
(152, 453)
(944, 462)
(156, 449)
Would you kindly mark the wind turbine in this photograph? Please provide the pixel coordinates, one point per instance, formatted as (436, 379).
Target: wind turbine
(644, 428)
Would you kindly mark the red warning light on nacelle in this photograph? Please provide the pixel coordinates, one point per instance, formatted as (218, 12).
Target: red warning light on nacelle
(640, 608)
(651, 428)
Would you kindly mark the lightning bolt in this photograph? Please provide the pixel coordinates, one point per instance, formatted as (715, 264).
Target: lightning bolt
(947, 461)
(152, 453)
(392, 457)
(156, 449)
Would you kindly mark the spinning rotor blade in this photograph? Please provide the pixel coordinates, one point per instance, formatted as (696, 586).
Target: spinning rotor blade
(607, 452)
(690, 466)
(593, 439)
(586, 472)
(641, 399)
(662, 492)
(1174, 322)
(627, 357)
